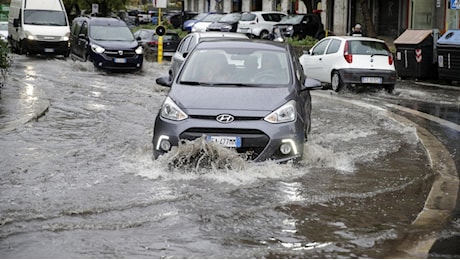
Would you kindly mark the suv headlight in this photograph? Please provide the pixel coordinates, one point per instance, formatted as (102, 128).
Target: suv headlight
(139, 50)
(170, 110)
(286, 113)
(97, 49)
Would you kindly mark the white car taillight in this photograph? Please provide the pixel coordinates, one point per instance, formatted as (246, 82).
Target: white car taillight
(346, 54)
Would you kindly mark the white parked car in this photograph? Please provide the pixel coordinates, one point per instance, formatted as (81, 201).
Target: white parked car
(344, 60)
(259, 23)
(202, 25)
(4, 31)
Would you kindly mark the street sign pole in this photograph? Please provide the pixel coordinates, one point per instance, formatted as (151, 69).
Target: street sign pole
(160, 30)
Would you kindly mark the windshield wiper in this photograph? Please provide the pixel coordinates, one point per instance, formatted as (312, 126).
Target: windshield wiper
(194, 83)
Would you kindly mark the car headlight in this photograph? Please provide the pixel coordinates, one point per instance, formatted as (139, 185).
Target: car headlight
(29, 36)
(139, 50)
(170, 110)
(290, 28)
(227, 27)
(97, 49)
(286, 113)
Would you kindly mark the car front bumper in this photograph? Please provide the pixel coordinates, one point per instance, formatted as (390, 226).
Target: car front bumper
(357, 76)
(47, 47)
(260, 140)
(103, 61)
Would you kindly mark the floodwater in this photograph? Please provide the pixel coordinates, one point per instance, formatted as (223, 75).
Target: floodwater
(80, 181)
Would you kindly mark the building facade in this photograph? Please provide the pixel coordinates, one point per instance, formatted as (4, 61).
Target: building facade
(390, 17)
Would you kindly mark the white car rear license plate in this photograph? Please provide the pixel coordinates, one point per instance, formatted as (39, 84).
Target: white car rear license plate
(227, 141)
(119, 60)
(49, 50)
(371, 80)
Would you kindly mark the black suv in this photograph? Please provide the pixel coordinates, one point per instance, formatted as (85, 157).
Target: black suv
(301, 26)
(107, 42)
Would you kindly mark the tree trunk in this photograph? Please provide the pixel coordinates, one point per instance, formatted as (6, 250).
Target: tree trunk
(369, 28)
(309, 5)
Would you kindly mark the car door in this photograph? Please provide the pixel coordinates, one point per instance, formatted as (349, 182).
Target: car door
(82, 42)
(331, 59)
(178, 56)
(312, 62)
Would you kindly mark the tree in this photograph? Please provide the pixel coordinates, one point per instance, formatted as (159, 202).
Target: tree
(105, 6)
(368, 23)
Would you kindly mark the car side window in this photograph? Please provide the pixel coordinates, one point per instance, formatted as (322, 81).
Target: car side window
(333, 47)
(183, 45)
(320, 48)
(84, 29)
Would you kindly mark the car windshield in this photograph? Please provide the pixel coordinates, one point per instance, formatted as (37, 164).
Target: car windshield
(212, 18)
(368, 48)
(248, 17)
(294, 19)
(232, 66)
(230, 18)
(45, 17)
(111, 33)
(199, 16)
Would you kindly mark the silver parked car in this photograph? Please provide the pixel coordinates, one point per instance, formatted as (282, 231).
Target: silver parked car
(250, 96)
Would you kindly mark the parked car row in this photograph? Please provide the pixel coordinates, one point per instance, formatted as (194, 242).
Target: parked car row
(259, 24)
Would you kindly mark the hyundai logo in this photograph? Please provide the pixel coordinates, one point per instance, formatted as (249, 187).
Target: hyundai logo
(225, 119)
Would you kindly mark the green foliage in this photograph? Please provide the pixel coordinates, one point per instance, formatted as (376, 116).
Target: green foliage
(306, 43)
(4, 61)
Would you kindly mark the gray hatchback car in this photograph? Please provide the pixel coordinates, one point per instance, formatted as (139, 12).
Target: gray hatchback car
(251, 96)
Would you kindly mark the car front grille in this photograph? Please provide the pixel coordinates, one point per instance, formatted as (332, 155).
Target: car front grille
(120, 53)
(253, 141)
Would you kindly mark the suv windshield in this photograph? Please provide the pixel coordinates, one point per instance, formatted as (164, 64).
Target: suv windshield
(44, 17)
(111, 33)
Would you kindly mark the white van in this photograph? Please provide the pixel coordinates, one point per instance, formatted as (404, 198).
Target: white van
(38, 27)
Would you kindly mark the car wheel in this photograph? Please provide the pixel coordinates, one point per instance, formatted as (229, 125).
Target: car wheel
(390, 88)
(336, 82)
(263, 34)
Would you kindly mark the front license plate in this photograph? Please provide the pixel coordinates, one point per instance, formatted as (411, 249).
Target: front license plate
(119, 60)
(227, 141)
(371, 80)
(49, 50)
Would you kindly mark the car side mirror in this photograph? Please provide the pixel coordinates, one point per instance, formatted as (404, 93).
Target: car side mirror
(307, 52)
(184, 55)
(311, 83)
(138, 38)
(164, 81)
(16, 23)
(82, 36)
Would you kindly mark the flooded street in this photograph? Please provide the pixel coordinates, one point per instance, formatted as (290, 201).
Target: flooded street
(80, 181)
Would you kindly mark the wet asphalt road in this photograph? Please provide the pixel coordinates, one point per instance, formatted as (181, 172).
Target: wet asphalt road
(79, 181)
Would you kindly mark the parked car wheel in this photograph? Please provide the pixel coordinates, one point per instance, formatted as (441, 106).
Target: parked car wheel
(390, 88)
(336, 82)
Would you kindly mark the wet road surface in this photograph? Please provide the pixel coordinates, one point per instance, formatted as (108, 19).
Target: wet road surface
(80, 182)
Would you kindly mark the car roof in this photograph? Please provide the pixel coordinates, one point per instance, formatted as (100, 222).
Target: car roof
(103, 20)
(355, 38)
(265, 12)
(242, 44)
(221, 34)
